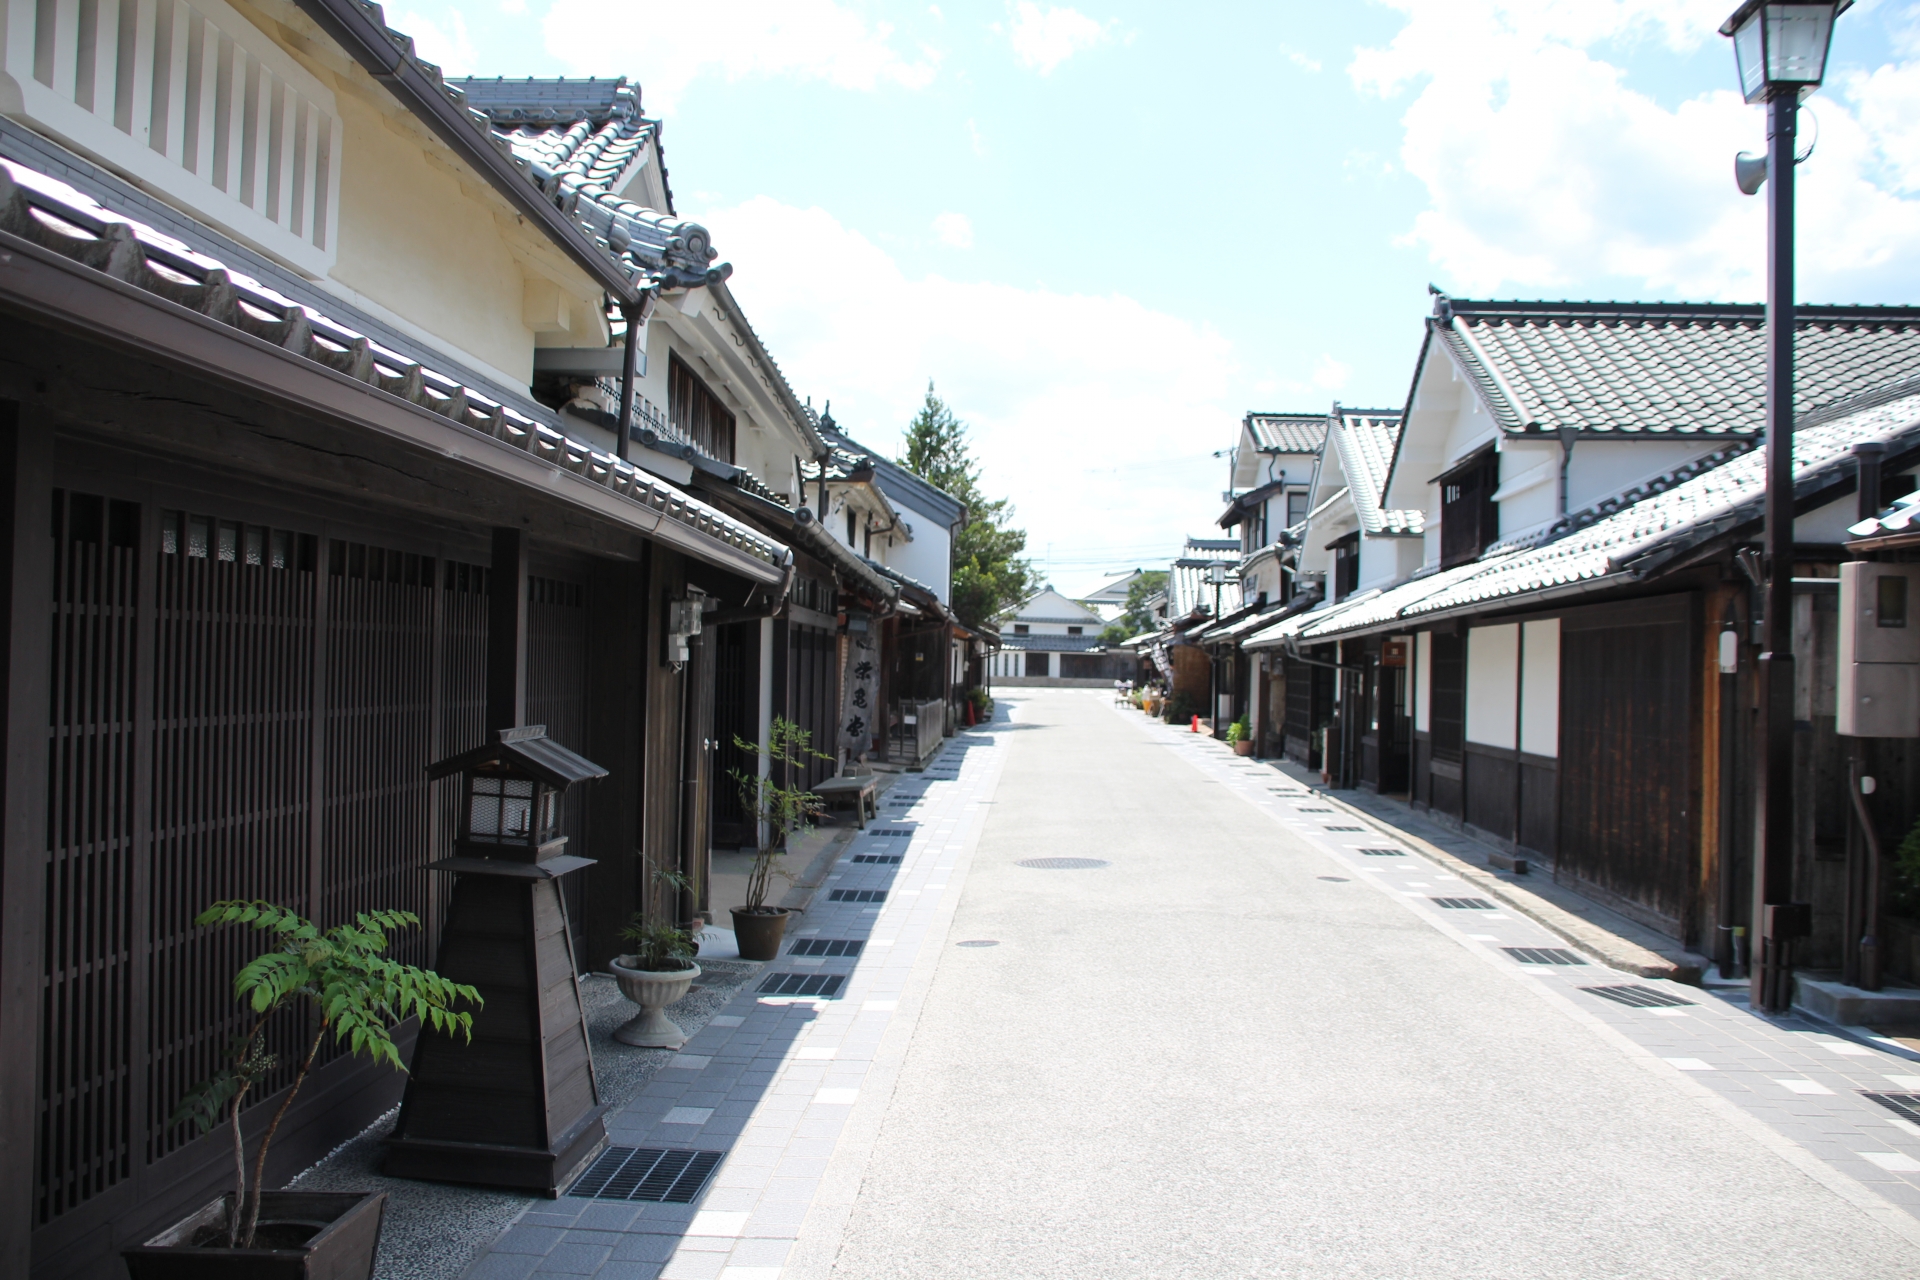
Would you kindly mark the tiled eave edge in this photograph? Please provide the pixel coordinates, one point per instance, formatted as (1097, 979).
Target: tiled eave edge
(101, 279)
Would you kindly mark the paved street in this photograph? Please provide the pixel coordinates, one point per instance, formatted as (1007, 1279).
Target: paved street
(1251, 1044)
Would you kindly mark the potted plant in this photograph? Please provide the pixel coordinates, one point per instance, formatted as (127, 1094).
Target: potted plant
(656, 973)
(779, 813)
(347, 989)
(1240, 737)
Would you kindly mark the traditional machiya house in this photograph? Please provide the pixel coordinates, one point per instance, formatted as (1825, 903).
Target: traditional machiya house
(1202, 587)
(898, 530)
(1350, 543)
(1578, 646)
(311, 482)
(1053, 640)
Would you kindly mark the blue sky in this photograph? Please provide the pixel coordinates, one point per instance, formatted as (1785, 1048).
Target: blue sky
(1108, 229)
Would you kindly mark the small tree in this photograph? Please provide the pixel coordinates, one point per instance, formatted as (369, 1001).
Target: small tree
(359, 996)
(779, 813)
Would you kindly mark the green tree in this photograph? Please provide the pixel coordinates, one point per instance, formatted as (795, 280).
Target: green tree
(990, 575)
(1136, 619)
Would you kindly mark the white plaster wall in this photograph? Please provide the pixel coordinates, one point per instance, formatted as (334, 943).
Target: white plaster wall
(1827, 523)
(1493, 655)
(1540, 688)
(928, 557)
(1602, 468)
(1422, 679)
(1529, 493)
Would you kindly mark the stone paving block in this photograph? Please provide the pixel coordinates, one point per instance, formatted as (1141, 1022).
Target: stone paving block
(606, 1215)
(618, 1269)
(574, 1259)
(760, 1252)
(523, 1239)
(636, 1247)
(694, 1266)
(502, 1266)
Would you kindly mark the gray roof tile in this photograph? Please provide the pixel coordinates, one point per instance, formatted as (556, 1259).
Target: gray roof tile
(1287, 432)
(1664, 367)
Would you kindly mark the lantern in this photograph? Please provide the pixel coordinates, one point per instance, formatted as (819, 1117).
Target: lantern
(1782, 46)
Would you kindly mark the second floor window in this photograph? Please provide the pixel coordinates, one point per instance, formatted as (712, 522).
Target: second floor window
(1296, 507)
(1074, 631)
(1469, 517)
(697, 413)
(1019, 628)
(1346, 566)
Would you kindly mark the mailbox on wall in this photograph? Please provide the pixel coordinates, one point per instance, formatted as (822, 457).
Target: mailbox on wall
(1879, 695)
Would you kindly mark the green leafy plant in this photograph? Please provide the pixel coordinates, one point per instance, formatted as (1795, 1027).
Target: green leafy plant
(1179, 708)
(356, 994)
(1905, 899)
(779, 813)
(1240, 730)
(659, 946)
(982, 704)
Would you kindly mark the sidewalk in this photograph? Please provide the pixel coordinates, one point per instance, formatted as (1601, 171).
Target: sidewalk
(764, 1091)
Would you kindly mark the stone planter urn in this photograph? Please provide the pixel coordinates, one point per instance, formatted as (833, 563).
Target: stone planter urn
(1243, 747)
(653, 992)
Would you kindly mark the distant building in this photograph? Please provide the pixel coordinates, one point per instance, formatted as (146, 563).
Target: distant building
(1051, 639)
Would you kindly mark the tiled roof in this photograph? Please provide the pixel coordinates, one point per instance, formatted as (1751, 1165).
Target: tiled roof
(1365, 440)
(1664, 367)
(1902, 518)
(1187, 585)
(66, 221)
(1708, 497)
(580, 141)
(1050, 644)
(1287, 432)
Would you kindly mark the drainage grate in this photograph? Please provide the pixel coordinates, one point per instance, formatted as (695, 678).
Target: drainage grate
(1543, 955)
(890, 832)
(1464, 904)
(1385, 853)
(826, 947)
(824, 985)
(1337, 879)
(1344, 828)
(1638, 997)
(977, 942)
(1304, 809)
(857, 895)
(876, 857)
(647, 1173)
(1062, 864)
(1905, 1105)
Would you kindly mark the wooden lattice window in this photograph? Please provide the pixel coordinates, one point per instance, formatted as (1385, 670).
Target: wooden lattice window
(1469, 517)
(698, 414)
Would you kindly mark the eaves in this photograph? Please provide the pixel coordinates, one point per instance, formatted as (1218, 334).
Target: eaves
(355, 27)
(37, 282)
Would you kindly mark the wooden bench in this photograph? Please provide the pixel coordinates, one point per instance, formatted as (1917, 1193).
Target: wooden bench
(862, 789)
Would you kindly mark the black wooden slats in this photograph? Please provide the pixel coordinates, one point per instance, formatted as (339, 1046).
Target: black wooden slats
(736, 688)
(557, 697)
(232, 740)
(88, 1101)
(237, 711)
(813, 657)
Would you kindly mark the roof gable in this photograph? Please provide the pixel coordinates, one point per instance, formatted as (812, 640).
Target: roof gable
(1049, 605)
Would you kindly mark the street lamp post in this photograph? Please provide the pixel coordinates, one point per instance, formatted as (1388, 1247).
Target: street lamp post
(1781, 51)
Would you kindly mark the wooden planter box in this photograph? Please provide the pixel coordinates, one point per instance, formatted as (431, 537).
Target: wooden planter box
(343, 1249)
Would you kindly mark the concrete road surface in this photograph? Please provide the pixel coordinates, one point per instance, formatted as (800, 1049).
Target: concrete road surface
(1207, 1060)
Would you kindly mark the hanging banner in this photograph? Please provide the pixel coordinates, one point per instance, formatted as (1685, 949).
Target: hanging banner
(1161, 661)
(862, 685)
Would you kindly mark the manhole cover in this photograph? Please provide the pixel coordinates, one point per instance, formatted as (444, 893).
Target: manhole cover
(1063, 864)
(647, 1173)
(977, 942)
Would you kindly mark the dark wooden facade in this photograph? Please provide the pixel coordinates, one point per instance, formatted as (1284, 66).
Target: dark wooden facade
(225, 677)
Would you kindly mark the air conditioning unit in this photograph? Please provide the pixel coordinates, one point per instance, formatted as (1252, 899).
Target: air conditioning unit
(1879, 685)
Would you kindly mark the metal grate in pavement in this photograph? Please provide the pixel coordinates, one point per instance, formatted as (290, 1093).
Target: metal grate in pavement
(1385, 853)
(1343, 828)
(857, 895)
(1543, 955)
(977, 942)
(1463, 904)
(662, 1175)
(890, 833)
(1305, 809)
(1063, 864)
(824, 985)
(1639, 997)
(877, 857)
(1904, 1105)
(826, 947)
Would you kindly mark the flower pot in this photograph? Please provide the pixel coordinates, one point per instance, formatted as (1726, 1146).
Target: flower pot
(653, 991)
(1243, 747)
(759, 931)
(320, 1234)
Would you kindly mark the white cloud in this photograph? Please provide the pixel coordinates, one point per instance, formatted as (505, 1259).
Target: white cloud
(1044, 38)
(976, 139)
(1072, 411)
(1330, 374)
(671, 45)
(1544, 169)
(1300, 59)
(954, 229)
(447, 46)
